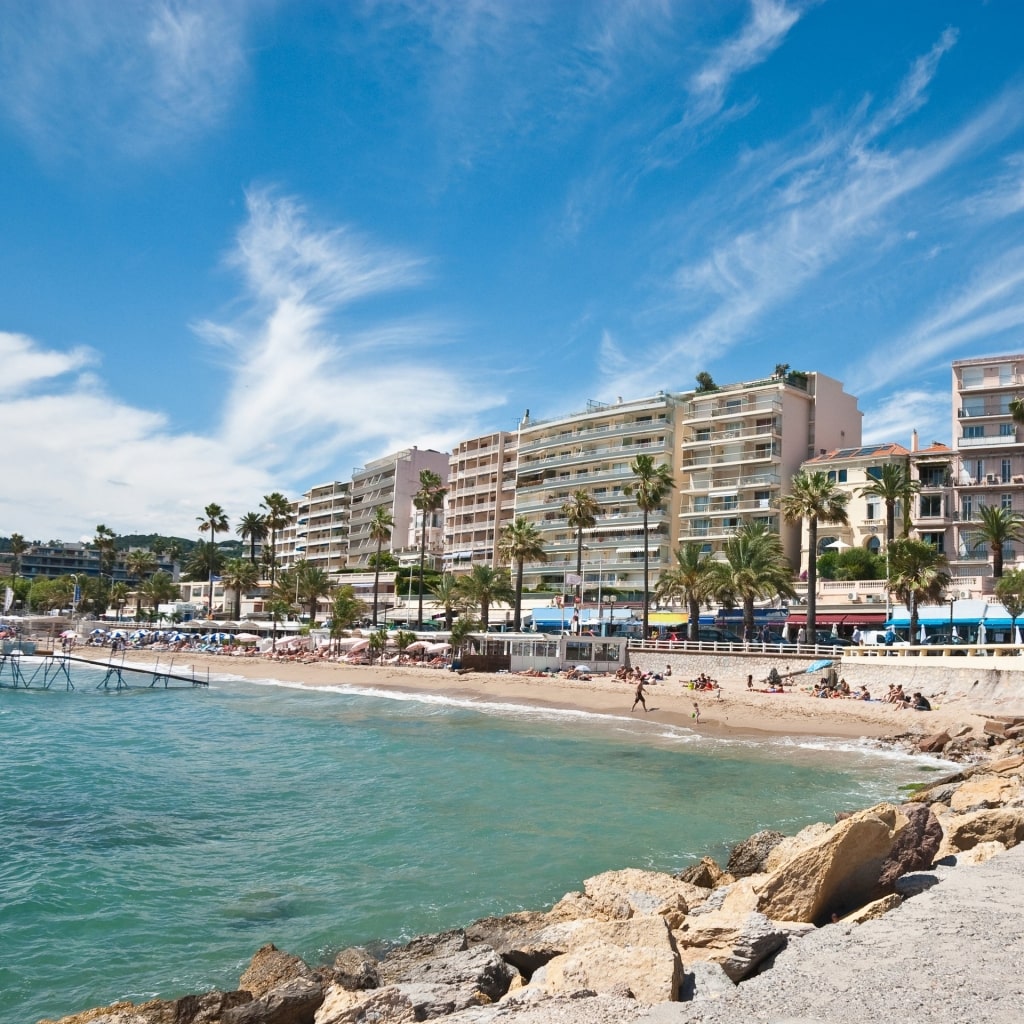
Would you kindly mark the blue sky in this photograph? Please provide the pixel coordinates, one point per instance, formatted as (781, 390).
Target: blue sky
(247, 246)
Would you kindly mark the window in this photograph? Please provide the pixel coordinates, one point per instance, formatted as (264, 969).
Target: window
(874, 472)
(704, 434)
(937, 540)
(1004, 471)
(872, 512)
(975, 430)
(842, 476)
(1006, 501)
(762, 498)
(973, 407)
(1006, 430)
(972, 376)
(931, 506)
(730, 501)
(967, 508)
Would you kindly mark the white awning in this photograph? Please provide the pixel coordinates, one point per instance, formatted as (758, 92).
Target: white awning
(629, 551)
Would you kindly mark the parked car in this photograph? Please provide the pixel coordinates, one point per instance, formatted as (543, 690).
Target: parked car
(826, 639)
(715, 634)
(945, 640)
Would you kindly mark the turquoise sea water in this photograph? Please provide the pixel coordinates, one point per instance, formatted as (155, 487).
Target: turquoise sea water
(153, 840)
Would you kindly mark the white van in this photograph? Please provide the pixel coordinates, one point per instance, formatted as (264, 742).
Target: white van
(876, 638)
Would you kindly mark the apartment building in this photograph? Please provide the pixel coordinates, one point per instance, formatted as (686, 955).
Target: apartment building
(989, 468)
(742, 444)
(321, 523)
(481, 499)
(591, 451)
(392, 481)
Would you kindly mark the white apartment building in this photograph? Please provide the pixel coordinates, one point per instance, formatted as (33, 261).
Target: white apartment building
(742, 444)
(989, 455)
(392, 481)
(481, 499)
(592, 451)
(318, 532)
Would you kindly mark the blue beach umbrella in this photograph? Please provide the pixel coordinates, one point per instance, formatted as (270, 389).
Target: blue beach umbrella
(817, 666)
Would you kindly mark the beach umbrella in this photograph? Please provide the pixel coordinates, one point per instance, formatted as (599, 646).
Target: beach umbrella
(955, 634)
(1017, 639)
(583, 668)
(96, 632)
(835, 629)
(922, 636)
(817, 666)
(982, 632)
(67, 634)
(442, 648)
(246, 638)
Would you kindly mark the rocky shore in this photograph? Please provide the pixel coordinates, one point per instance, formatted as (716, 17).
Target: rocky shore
(714, 943)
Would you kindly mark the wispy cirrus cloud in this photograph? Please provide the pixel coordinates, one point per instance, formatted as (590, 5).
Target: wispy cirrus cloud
(836, 191)
(80, 77)
(769, 23)
(908, 409)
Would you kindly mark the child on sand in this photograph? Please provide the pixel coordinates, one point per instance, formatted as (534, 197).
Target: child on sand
(696, 711)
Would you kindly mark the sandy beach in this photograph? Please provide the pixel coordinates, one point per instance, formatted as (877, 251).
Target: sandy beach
(794, 712)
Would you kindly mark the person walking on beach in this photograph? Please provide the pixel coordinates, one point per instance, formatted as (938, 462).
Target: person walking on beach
(639, 697)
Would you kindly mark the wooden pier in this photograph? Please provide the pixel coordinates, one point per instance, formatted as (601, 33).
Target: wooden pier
(45, 668)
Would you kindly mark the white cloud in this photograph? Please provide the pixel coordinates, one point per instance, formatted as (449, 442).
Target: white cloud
(85, 77)
(906, 410)
(318, 383)
(769, 24)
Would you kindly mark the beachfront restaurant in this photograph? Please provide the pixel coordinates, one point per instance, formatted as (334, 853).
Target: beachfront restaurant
(960, 620)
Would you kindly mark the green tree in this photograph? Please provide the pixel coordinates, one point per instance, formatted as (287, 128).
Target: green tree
(462, 634)
(253, 528)
(817, 499)
(378, 643)
(918, 574)
(140, 564)
(893, 486)
(105, 542)
(521, 542)
(448, 595)
(346, 610)
(204, 561)
(18, 546)
(755, 568)
(650, 486)
(216, 521)
(1009, 589)
(998, 527)
(158, 589)
(483, 586)
(580, 513)
(691, 580)
(118, 598)
(1017, 409)
(429, 499)
(278, 514)
(403, 638)
(705, 382)
(239, 575)
(313, 584)
(381, 525)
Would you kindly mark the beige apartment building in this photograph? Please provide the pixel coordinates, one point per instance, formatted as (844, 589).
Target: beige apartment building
(989, 466)
(742, 444)
(392, 481)
(481, 499)
(318, 532)
(591, 451)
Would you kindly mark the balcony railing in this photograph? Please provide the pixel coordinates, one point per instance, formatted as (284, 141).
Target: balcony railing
(988, 441)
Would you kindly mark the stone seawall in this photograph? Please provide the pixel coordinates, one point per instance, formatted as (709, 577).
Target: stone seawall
(983, 683)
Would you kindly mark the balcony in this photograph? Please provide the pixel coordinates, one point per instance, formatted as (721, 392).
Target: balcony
(728, 458)
(589, 433)
(701, 484)
(728, 406)
(989, 441)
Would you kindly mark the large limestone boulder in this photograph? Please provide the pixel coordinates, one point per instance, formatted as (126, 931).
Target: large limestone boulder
(835, 873)
(739, 943)
(790, 846)
(750, 857)
(982, 791)
(294, 1002)
(381, 1005)
(873, 910)
(965, 831)
(612, 957)
(271, 967)
(914, 846)
(355, 968)
(642, 892)
(979, 854)
(706, 874)
(516, 938)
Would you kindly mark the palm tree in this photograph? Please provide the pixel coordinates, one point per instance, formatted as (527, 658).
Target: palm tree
(690, 581)
(482, 586)
(580, 512)
(118, 597)
(449, 596)
(216, 521)
(1017, 409)
(893, 485)
(650, 487)
(998, 527)
(159, 589)
(918, 574)
(521, 542)
(141, 564)
(378, 643)
(239, 574)
(403, 638)
(313, 583)
(205, 560)
(1010, 591)
(105, 541)
(252, 527)
(346, 610)
(381, 524)
(755, 567)
(278, 516)
(18, 546)
(817, 499)
(462, 634)
(428, 499)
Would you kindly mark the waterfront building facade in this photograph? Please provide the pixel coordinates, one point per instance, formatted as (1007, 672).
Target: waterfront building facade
(591, 451)
(392, 481)
(481, 499)
(318, 532)
(989, 466)
(742, 444)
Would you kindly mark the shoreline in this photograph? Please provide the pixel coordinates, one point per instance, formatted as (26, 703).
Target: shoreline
(671, 702)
